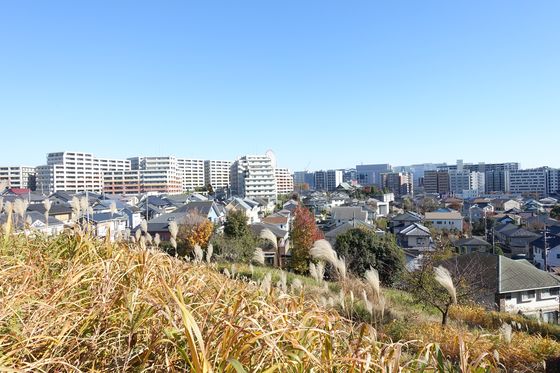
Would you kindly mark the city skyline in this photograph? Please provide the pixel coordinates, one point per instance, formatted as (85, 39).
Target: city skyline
(324, 85)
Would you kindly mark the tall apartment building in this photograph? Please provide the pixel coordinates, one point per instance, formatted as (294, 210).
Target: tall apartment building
(158, 174)
(76, 172)
(216, 173)
(400, 183)
(497, 181)
(284, 180)
(192, 173)
(370, 174)
(533, 181)
(554, 181)
(436, 182)
(253, 176)
(466, 183)
(327, 180)
(18, 176)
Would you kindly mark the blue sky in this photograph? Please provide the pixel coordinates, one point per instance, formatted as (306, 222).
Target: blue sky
(325, 84)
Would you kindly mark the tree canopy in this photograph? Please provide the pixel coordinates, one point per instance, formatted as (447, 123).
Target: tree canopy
(302, 236)
(363, 248)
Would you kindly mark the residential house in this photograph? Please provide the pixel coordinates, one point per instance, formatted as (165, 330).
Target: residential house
(106, 223)
(332, 234)
(415, 236)
(251, 210)
(552, 249)
(515, 239)
(35, 222)
(62, 211)
(280, 221)
(449, 220)
(207, 209)
(403, 220)
(280, 256)
(471, 245)
(343, 214)
(505, 204)
(508, 285)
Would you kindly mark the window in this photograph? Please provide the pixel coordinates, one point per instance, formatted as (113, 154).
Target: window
(528, 295)
(508, 296)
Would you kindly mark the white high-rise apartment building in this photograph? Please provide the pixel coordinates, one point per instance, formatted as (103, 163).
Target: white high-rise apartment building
(192, 173)
(158, 174)
(466, 183)
(253, 176)
(284, 180)
(76, 172)
(18, 176)
(216, 173)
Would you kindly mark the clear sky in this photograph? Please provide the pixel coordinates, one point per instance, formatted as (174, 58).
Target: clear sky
(325, 84)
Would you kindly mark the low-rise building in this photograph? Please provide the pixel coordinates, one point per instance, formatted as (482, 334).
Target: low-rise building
(451, 220)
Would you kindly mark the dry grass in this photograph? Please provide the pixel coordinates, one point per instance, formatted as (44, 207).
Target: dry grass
(74, 303)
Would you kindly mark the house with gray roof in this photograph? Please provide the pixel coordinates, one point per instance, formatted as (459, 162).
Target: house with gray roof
(508, 285)
(343, 214)
(415, 236)
(352, 224)
(471, 245)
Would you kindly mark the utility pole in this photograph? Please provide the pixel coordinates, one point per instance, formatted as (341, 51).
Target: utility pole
(545, 251)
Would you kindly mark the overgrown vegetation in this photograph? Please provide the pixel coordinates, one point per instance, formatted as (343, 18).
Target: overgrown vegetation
(76, 303)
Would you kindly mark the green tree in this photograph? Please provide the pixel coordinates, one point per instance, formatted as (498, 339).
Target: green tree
(236, 224)
(555, 212)
(303, 234)
(363, 248)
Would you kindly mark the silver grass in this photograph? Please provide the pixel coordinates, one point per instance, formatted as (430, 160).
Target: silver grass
(173, 229)
(75, 203)
(29, 221)
(297, 285)
(372, 278)
(119, 236)
(367, 304)
(149, 238)
(137, 235)
(323, 250)
(198, 253)
(113, 208)
(173, 243)
(252, 269)
(287, 247)
(209, 252)
(144, 226)
(320, 267)
(506, 332)
(233, 270)
(313, 271)
(258, 256)
(47, 204)
(283, 281)
(1, 203)
(323, 301)
(157, 240)
(330, 302)
(266, 282)
(443, 277)
(142, 242)
(341, 299)
(126, 235)
(341, 268)
(84, 204)
(269, 236)
(226, 273)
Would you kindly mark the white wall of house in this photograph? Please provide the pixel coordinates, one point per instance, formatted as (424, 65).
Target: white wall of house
(533, 302)
(553, 256)
(418, 241)
(447, 224)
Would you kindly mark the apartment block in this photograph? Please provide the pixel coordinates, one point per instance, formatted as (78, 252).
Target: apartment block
(533, 181)
(436, 182)
(370, 174)
(400, 183)
(253, 176)
(18, 176)
(216, 173)
(466, 183)
(76, 172)
(158, 174)
(192, 173)
(284, 180)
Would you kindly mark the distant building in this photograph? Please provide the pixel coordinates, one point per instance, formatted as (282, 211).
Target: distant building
(76, 172)
(284, 180)
(445, 220)
(192, 173)
(370, 174)
(465, 181)
(18, 177)
(400, 183)
(533, 181)
(216, 173)
(350, 175)
(158, 174)
(253, 176)
(436, 182)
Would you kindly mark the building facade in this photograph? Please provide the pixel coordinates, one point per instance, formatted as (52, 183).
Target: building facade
(284, 180)
(436, 182)
(253, 176)
(400, 183)
(18, 176)
(192, 173)
(533, 181)
(76, 172)
(370, 174)
(216, 173)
